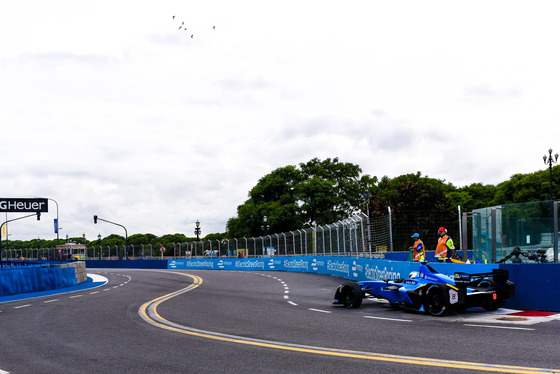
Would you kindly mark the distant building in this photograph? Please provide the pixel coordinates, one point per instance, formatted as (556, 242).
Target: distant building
(70, 251)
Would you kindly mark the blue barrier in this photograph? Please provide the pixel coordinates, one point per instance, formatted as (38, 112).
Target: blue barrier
(33, 277)
(345, 267)
(536, 286)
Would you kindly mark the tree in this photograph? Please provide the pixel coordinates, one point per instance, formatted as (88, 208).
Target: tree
(332, 190)
(291, 197)
(418, 204)
(522, 188)
(475, 196)
(137, 239)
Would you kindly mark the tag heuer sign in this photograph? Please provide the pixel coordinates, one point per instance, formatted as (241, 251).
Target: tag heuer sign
(24, 205)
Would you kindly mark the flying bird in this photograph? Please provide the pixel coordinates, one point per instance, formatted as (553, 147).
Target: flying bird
(214, 27)
(173, 17)
(192, 36)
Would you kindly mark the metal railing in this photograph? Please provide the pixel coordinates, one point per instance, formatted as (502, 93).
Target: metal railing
(353, 236)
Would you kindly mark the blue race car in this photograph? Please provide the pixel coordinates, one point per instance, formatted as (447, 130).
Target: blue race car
(431, 292)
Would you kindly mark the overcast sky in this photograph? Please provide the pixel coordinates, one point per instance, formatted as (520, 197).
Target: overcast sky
(109, 108)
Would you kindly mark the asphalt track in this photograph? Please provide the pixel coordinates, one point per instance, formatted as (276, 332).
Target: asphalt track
(168, 321)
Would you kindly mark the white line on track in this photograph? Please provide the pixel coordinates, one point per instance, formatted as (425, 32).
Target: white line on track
(49, 301)
(291, 302)
(75, 296)
(22, 306)
(94, 292)
(501, 327)
(319, 310)
(389, 319)
(4, 372)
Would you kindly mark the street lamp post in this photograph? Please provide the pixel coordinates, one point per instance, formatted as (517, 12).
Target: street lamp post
(197, 230)
(99, 244)
(549, 160)
(85, 246)
(264, 228)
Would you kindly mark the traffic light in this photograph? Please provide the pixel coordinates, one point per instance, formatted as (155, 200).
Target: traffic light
(94, 218)
(38, 216)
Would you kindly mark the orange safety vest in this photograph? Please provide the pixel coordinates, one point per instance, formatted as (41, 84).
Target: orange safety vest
(441, 249)
(418, 252)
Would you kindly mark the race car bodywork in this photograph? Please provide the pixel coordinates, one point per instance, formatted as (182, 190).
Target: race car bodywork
(431, 292)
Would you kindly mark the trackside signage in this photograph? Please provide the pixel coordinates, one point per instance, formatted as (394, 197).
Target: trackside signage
(24, 205)
(344, 267)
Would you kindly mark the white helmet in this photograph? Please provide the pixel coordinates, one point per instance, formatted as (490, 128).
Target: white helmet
(413, 274)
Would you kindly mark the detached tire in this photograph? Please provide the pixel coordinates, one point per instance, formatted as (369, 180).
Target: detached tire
(351, 295)
(435, 300)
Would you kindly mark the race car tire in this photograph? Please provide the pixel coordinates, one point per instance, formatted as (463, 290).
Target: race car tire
(435, 300)
(351, 295)
(395, 305)
(493, 305)
(490, 305)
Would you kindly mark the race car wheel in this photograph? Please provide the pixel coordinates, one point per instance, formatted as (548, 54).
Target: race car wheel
(435, 301)
(493, 305)
(490, 305)
(351, 295)
(395, 305)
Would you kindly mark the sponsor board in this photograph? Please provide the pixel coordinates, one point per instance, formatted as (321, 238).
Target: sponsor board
(10, 205)
(349, 268)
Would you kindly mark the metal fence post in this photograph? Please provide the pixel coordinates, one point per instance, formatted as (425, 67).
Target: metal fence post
(390, 228)
(493, 233)
(464, 244)
(555, 219)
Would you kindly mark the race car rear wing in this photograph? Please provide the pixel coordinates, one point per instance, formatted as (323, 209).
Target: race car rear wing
(500, 277)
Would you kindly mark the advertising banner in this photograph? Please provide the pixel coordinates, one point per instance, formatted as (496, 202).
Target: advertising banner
(354, 268)
(24, 205)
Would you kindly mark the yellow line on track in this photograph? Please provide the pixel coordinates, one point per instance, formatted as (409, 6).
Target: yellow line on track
(149, 313)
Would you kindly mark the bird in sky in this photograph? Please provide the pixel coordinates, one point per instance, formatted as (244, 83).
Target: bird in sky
(214, 27)
(192, 36)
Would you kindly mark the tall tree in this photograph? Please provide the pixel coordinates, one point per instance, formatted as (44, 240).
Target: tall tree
(418, 204)
(291, 197)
